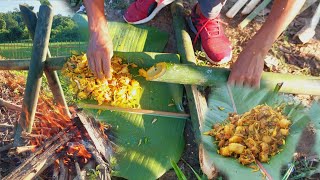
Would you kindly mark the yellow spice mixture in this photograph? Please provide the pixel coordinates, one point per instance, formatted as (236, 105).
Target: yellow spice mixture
(122, 90)
(256, 134)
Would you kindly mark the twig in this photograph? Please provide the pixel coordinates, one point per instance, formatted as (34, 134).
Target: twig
(14, 107)
(63, 171)
(22, 149)
(55, 171)
(77, 166)
(26, 135)
(6, 125)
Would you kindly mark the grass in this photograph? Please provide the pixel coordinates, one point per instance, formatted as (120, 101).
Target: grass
(23, 50)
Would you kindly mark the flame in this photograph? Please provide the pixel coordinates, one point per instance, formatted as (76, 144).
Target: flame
(75, 148)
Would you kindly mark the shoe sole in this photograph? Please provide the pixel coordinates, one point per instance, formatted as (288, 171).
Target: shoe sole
(223, 61)
(153, 14)
(194, 30)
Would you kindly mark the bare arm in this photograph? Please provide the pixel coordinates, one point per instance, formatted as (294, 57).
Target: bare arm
(100, 49)
(248, 68)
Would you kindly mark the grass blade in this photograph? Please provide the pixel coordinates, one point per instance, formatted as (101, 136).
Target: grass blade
(178, 171)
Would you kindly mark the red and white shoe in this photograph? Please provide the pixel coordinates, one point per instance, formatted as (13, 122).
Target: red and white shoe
(214, 42)
(143, 11)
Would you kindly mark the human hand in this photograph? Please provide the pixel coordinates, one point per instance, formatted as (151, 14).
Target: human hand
(100, 51)
(247, 70)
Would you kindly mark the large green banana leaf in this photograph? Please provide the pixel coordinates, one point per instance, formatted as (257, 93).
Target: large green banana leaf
(244, 100)
(126, 37)
(145, 144)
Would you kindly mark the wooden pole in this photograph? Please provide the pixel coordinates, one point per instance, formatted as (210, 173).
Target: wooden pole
(197, 103)
(39, 53)
(30, 19)
(51, 64)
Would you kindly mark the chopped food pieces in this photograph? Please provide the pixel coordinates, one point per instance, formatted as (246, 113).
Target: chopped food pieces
(256, 134)
(122, 90)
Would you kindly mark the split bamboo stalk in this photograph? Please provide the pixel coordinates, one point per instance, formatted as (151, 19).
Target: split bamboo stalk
(39, 53)
(30, 19)
(254, 13)
(197, 103)
(211, 76)
(250, 6)
(236, 8)
(55, 63)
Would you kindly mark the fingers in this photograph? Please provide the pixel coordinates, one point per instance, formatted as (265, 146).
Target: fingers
(98, 65)
(91, 63)
(106, 65)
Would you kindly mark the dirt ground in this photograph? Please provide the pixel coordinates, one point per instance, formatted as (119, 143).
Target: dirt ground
(286, 56)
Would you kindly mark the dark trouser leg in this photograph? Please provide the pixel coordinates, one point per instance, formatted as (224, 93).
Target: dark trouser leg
(211, 8)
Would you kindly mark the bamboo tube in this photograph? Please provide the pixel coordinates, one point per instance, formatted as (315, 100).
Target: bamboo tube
(250, 6)
(236, 8)
(210, 76)
(254, 13)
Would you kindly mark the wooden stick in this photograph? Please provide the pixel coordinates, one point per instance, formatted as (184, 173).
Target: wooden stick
(63, 171)
(78, 170)
(22, 149)
(197, 103)
(136, 111)
(235, 8)
(97, 137)
(41, 159)
(250, 6)
(254, 13)
(51, 64)
(103, 166)
(6, 125)
(308, 31)
(55, 174)
(39, 53)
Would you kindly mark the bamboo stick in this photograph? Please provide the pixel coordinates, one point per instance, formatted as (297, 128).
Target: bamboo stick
(34, 79)
(254, 13)
(250, 6)
(236, 8)
(197, 103)
(30, 18)
(136, 111)
(211, 76)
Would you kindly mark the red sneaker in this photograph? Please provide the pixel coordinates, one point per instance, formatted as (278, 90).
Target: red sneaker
(214, 42)
(143, 11)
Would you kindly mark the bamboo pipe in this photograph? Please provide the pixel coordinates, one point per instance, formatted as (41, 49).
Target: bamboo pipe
(210, 76)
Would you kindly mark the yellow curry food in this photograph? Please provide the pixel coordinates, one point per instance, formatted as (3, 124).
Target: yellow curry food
(255, 135)
(122, 90)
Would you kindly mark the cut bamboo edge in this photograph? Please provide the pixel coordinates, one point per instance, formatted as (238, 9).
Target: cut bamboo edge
(210, 76)
(136, 111)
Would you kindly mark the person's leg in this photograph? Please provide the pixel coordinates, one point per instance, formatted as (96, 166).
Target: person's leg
(208, 26)
(211, 8)
(142, 11)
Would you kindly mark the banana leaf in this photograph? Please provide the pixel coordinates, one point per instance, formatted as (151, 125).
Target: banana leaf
(145, 144)
(220, 104)
(126, 37)
(315, 119)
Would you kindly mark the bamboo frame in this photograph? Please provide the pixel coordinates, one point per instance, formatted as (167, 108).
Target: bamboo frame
(39, 53)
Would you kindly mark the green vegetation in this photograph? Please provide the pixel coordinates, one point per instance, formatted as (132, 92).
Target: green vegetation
(23, 50)
(12, 28)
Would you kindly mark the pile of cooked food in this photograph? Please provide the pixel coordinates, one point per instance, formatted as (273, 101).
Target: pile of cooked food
(255, 135)
(122, 90)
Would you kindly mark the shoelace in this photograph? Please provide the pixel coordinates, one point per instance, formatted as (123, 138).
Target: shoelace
(204, 25)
